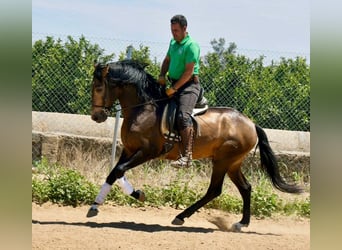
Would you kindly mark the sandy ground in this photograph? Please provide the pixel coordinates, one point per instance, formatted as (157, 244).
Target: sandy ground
(116, 227)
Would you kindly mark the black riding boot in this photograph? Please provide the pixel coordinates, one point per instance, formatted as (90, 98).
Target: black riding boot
(186, 149)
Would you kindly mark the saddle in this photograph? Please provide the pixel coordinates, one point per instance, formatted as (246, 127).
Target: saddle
(168, 125)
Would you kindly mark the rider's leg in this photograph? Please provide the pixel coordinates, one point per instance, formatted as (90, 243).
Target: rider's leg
(186, 148)
(187, 99)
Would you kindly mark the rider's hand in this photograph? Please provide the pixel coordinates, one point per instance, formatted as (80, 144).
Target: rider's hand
(161, 80)
(170, 91)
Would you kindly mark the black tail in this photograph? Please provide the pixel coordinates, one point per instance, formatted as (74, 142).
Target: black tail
(270, 165)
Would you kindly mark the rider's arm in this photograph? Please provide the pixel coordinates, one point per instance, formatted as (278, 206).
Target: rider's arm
(189, 70)
(165, 66)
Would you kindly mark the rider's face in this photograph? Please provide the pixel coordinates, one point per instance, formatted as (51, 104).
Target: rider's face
(178, 32)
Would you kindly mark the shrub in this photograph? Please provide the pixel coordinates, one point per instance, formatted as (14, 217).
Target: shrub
(61, 185)
(68, 187)
(263, 201)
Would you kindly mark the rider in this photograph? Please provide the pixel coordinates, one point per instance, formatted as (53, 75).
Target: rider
(182, 65)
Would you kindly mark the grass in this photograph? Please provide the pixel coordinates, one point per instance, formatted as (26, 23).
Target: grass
(166, 186)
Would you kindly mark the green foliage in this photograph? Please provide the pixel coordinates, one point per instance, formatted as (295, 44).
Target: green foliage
(62, 74)
(143, 55)
(274, 96)
(61, 185)
(279, 97)
(263, 201)
(178, 195)
(301, 208)
(68, 187)
(40, 191)
(118, 197)
(226, 202)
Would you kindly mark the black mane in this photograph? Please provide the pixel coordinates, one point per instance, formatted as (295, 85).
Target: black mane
(131, 72)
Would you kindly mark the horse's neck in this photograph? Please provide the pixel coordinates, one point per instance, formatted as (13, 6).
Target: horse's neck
(128, 97)
(130, 102)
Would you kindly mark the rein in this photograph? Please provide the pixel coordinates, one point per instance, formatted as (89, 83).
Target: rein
(108, 111)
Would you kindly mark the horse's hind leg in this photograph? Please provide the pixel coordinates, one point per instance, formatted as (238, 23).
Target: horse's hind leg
(214, 190)
(245, 189)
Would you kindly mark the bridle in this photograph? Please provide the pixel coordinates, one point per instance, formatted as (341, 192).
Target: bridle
(105, 109)
(108, 112)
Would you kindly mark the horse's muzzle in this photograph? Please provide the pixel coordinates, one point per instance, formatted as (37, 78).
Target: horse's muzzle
(99, 116)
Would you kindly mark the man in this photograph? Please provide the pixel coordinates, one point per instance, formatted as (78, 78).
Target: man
(182, 65)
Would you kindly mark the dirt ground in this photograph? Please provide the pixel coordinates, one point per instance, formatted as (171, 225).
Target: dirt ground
(117, 227)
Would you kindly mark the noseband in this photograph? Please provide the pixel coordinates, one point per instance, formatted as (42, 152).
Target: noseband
(105, 109)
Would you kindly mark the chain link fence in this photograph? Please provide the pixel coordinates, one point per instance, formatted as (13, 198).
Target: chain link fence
(272, 88)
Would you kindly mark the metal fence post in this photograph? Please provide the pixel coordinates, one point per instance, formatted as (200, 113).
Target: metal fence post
(117, 118)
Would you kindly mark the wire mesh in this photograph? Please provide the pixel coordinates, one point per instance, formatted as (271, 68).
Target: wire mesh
(273, 88)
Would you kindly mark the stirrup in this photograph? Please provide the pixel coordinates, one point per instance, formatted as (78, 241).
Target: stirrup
(182, 162)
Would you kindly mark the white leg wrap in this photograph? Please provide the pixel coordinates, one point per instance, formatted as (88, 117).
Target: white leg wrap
(93, 206)
(105, 189)
(125, 185)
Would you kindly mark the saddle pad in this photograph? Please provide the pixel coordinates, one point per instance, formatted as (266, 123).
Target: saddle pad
(167, 125)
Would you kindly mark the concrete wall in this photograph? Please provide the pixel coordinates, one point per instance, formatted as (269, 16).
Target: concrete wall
(76, 139)
(78, 125)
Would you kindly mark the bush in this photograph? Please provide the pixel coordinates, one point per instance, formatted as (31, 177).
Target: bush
(68, 187)
(301, 208)
(264, 202)
(61, 185)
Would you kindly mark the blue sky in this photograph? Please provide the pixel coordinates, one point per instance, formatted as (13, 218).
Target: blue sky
(268, 25)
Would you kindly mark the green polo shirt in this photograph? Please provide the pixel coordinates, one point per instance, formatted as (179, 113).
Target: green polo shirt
(182, 53)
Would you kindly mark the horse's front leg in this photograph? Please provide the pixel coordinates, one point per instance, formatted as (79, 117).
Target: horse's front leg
(128, 189)
(117, 173)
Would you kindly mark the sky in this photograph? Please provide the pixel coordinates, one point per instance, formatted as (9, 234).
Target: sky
(253, 25)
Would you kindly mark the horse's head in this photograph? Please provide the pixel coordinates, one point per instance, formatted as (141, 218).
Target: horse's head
(126, 81)
(102, 99)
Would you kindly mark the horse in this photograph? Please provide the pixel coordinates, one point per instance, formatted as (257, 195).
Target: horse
(226, 137)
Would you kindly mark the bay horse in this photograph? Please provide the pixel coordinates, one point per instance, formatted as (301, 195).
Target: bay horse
(226, 136)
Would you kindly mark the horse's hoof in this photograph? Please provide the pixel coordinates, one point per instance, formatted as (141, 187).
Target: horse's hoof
(141, 195)
(236, 227)
(92, 212)
(177, 221)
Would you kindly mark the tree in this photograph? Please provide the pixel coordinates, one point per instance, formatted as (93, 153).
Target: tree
(221, 72)
(62, 74)
(274, 96)
(218, 47)
(278, 95)
(143, 55)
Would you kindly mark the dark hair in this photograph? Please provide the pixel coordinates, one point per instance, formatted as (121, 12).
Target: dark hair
(179, 19)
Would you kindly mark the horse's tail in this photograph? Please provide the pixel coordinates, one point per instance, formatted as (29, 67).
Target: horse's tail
(270, 165)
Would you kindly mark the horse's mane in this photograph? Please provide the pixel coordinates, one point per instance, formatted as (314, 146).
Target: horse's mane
(131, 72)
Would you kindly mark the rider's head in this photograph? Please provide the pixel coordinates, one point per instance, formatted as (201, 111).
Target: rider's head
(178, 27)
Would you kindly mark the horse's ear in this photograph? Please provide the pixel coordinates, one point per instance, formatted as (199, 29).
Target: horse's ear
(95, 63)
(105, 71)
